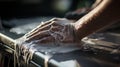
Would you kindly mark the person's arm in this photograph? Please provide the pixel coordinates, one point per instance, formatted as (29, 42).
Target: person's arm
(64, 31)
(107, 12)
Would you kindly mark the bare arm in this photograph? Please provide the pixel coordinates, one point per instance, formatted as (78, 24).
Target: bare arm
(107, 12)
(63, 30)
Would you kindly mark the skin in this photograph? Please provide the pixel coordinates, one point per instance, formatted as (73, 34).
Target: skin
(106, 12)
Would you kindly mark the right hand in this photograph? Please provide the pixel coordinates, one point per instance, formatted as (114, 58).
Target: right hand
(55, 30)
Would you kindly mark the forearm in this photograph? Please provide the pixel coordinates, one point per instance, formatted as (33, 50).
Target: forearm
(105, 13)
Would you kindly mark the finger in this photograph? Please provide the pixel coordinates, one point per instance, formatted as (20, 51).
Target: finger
(33, 30)
(37, 28)
(37, 31)
(38, 35)
(46, 40)
(56, 28)
(46, 27)
(42, 24)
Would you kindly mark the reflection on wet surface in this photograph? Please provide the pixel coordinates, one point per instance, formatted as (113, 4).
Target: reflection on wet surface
(86, 56)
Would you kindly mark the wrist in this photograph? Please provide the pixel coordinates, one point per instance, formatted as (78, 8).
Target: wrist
(76, 32)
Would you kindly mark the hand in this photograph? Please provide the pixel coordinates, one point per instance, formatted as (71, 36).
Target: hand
(54, 30)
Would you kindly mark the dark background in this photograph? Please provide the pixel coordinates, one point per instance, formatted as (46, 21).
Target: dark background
(24, 8)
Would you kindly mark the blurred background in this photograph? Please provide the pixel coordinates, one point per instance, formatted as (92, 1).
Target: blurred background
(32, 8)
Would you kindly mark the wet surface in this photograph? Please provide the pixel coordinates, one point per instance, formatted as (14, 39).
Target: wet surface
(86, 58)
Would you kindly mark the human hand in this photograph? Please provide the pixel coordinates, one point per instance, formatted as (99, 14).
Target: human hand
(54, 30)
